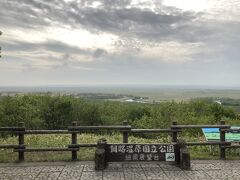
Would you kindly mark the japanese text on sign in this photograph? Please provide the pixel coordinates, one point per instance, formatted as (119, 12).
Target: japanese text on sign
(141, 149)
(135, 152)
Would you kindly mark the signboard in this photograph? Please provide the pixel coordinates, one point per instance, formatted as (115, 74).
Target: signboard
(141, 152)
(213, 134)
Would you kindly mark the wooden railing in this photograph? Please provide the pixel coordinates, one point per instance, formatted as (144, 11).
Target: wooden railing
(125, 129)
(222, 143)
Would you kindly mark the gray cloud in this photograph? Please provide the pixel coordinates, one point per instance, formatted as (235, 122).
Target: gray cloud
(136, 29)
(52, 46)
(133, 22)
(99, 53)
(111, 16)
(58, 54)
(17, 14)
(162, 24)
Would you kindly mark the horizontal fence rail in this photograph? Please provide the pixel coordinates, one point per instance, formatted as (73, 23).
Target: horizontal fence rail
(45, 149)
(199, 126)
(80, 128)
(47, 132)
(153, 130)
(81, 145)
(11, 129)
(125, 129)
(11, 146)
(207, 143)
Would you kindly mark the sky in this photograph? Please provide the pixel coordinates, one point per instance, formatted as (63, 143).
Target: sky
(96, 42)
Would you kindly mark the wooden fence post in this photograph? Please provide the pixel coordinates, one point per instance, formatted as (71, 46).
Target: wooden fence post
(174, 133)
(21, 141)
(175, 140)
(74, 141)
(125, 133)
(222, 139)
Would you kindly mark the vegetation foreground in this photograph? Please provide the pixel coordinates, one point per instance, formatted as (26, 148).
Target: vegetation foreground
(58, 112)
(204, 152)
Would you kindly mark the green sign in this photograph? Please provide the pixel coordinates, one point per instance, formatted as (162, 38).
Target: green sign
(213, 134)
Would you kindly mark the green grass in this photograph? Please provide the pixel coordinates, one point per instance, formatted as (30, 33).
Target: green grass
(88, 153)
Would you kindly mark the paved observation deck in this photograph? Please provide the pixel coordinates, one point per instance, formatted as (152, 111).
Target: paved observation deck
(84, 170)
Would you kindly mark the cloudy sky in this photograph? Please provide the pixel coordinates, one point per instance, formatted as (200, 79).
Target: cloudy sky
(74, 42)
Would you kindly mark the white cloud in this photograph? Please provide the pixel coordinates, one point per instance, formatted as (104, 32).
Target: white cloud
(22, 34)
(224, 10)
(227, 10)
(82, 38)
(188, 5)
(172, 52)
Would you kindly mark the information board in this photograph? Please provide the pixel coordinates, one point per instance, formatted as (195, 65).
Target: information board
(213, 134)
(141, 152)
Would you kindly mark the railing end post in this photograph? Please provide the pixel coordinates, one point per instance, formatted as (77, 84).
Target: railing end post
(222, 122)
(125, 123)
(174, 133)
(125, 133)
(74, 141)
(74, 123)
(21, 124)
(21, 141)
(222, 139)
(174, 122)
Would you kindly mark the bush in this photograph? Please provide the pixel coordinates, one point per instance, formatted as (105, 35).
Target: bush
(57, 112)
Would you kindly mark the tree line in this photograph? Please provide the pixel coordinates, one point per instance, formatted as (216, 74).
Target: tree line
(57, 112)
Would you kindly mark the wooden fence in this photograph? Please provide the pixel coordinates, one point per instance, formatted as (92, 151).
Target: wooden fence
(125, 129)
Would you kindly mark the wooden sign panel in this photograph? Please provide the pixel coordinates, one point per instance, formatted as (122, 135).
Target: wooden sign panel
(141, 152)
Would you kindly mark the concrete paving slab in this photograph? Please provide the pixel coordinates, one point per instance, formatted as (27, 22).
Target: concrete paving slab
(84, 170)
